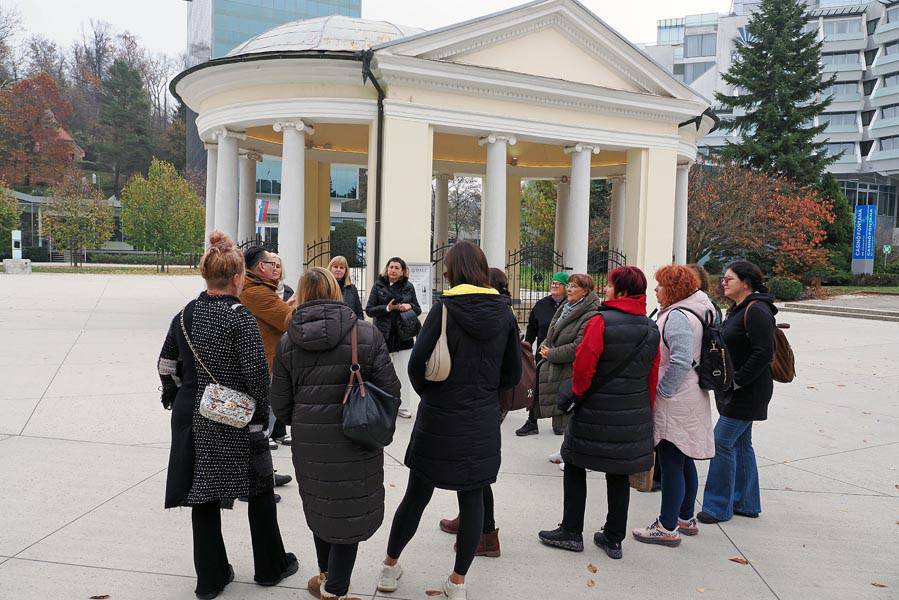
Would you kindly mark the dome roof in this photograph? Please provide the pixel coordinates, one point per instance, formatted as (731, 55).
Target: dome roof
(334, 33)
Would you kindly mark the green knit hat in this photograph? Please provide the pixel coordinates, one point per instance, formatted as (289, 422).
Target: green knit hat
(561, 277)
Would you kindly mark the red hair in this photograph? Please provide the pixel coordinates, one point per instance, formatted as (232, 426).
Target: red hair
(677, 282)
(628, 280)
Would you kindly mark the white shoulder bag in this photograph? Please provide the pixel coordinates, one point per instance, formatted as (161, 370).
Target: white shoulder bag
(439, 364)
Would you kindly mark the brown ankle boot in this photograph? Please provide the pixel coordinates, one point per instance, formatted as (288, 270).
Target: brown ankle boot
(316, 584)
(490, 544)
(450, 526)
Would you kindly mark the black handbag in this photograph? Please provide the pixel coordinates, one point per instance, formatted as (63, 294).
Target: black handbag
(408, 325)
(369, 413)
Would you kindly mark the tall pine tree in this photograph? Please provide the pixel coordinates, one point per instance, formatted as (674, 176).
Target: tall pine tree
(777, 75)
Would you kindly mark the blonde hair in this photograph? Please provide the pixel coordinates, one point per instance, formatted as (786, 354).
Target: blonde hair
(280, 264)
(221, 261)
(340, 261)
(317, 284)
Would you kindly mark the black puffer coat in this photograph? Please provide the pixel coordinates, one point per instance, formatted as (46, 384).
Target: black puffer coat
(752, 349)
(387, 322)
(341, 484)
(611, 428)
(456, 439)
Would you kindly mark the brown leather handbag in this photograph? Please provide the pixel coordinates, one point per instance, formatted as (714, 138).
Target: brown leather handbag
(783, 365)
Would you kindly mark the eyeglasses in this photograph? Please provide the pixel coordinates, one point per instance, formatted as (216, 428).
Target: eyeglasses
(273, 263)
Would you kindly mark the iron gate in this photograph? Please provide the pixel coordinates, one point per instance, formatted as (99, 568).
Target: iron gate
(438, 281)
(601, 262)
(258, 241)
(530, 270)
(318, 254)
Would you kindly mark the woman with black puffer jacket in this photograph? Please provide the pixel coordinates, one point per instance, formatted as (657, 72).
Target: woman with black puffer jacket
(341, 483)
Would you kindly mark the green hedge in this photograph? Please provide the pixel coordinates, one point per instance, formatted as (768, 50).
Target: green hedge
(136, 258)
(876, 280)
(785, 288)
(36, 254)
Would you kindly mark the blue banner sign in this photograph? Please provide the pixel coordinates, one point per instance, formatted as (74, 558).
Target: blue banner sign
(863, 237)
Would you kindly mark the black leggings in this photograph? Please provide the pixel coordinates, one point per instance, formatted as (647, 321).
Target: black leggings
(337, 561)
(408, 516)
(489, 517)
(210, 557)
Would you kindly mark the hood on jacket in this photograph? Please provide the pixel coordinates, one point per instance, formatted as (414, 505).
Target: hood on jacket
(481, 312)
(634, 305)
(756, 297)
(320, 325)
(698, 302)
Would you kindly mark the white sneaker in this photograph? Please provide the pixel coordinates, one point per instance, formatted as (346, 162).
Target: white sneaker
(555, 458)
(454, 591)
(404, 413)
(561, 466)
(389, 578)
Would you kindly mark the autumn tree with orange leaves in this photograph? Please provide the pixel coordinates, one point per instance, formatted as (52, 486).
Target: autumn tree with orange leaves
(737, 212)
(31, 150)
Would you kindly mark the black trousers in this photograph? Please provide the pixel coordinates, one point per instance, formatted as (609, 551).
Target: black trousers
(618, 492)
(337, 561)
(489, 517)
(210, 557)
(408, 516)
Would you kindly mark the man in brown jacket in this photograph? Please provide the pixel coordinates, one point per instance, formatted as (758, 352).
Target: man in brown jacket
(271, 311)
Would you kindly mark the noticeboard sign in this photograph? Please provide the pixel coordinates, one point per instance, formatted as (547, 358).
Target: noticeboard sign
(863, 232)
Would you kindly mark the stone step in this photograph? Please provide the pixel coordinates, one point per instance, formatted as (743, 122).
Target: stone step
(842, 311)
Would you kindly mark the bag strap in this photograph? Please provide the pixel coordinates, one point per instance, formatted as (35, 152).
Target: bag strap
(192, 349)
(621, 366)
(746, 313)
(355, 369)
(443, 318)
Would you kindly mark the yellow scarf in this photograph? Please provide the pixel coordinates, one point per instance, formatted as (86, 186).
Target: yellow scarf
(466, 288)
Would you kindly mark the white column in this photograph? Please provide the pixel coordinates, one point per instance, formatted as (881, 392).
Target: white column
(563, 189)
(681, 191)
(211, 168)
(226, 182)
(292, 204)
(441, 211)
(616, 223)
(246, 220)
(576, 227)
(493, 205)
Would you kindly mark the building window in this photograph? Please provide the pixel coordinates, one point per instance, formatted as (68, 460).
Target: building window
(846, 119)
(868, 86)
(840, 58)
(690, 72)
(890, 112)
(670, 34)
(842, 89)
(837, 27)
(700, 45)
(891, 48)
(845, 150)
(867, 117)
(892, 15)
(890, 80)
(889, 143)
(872, 26)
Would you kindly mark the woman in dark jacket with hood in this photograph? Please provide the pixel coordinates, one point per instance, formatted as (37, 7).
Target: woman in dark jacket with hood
(455, 443)
(732, 485)
(341, 484)
(610, 399)
(393, 306)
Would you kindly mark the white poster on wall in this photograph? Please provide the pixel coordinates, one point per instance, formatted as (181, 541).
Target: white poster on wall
(420, 277)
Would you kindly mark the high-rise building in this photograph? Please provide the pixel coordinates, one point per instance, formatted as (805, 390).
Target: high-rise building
(861, 47)
(214, 28)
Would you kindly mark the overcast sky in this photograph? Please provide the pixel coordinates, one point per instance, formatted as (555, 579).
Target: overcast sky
(161, 24)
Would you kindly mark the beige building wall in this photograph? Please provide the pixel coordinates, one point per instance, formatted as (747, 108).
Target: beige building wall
(406, 196)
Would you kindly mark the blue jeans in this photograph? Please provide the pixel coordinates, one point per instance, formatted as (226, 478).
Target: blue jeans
(679, 485)
(733, 481)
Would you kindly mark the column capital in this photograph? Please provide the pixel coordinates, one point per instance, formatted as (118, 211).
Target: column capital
(210, 146)
(685, 167)
(297, 124)
(618, 179)
(492, 138)
(580, 147)
(445, 176)
(251, 156)
(564, 179)
(224, 132)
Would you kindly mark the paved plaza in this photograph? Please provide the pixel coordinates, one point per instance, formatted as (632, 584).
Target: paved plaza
(83, 452)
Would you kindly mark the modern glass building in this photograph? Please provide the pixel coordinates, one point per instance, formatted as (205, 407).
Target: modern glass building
(214, 28)
(861, 48)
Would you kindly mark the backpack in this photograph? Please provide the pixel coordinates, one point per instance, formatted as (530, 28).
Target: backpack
(783, 365)
(715, 367)
(522, 395)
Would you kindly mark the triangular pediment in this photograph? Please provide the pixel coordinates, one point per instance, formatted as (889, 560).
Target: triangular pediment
(553, 39)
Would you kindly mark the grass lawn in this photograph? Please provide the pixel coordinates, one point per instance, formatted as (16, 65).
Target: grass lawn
(840, 290)
(123, 270)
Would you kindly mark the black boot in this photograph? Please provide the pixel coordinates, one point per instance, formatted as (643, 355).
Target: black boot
(561, 538)
(529, 428)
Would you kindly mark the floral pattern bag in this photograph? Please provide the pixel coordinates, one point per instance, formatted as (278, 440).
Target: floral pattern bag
(220, 403)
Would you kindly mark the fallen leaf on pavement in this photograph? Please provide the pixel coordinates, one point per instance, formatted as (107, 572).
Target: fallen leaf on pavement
(433, 593)
(810, 387)
(878, 584)
(739, 560)
(592, 568)
(700, 590)
(392, 485)
(105, 596)
(591, 583)
(841, 385)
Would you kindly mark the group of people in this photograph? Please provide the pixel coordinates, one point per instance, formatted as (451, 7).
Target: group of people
(618, 385)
